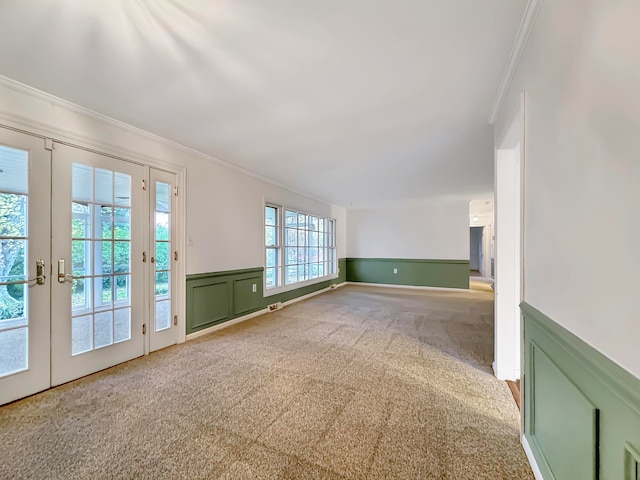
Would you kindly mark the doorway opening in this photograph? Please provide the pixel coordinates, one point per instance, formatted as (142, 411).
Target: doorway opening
(475, 251)
(481, 244)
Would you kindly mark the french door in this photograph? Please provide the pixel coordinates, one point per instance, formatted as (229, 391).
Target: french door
(25, 199)
(97, 305)
(87, 263)
(163, 314)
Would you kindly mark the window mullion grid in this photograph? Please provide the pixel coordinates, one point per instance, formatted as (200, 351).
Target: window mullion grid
(305, 239)
(333, 246)
(300, 259)
(309, 251)
(305, 249)
(280, 250)
(301, 247)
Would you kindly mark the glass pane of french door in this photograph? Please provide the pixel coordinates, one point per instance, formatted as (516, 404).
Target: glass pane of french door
(25, 166)
(97, 242)
(100, 257)
(162, 228)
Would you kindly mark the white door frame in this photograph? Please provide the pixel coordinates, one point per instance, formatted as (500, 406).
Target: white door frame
(36, 377)
(481, 253)
(65, 365)
(509, 279)
(50, 132)
(487, 232)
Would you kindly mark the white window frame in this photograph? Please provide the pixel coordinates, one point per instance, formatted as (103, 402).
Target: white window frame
(329, 246)
(277, 246)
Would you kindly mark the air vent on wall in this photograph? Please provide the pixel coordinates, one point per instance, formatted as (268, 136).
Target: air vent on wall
(275, 306)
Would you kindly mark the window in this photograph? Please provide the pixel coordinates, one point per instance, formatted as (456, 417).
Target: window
(272, 246)
(308, 243)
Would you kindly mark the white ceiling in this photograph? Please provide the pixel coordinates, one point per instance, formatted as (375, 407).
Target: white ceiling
(358, 102)
(482, 211)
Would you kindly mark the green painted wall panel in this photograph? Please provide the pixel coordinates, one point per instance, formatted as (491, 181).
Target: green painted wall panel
(210, 304)
(298, 292)
(217, 297)
(211, 298)
(610, 389)
(245, 299)
(342, 270)
(413, 272)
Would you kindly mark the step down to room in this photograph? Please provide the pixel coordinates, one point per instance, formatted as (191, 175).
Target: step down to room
(515, 391)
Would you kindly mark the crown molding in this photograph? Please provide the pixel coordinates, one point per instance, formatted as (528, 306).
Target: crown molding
(524, 31)
(63, 135)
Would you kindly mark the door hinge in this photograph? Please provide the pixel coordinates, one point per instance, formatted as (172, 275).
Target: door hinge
(144, 184)
(144, 257)
(144, 328)
(175, 256)
(175, 319)
(175, 191)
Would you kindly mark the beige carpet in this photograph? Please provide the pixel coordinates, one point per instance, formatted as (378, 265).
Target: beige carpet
(356, 383)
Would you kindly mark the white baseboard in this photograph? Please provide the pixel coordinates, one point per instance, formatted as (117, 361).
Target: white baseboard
(410, 287)
(226, 324)
(312, 294)
(532, 460)
(505, 373)
(235, 321)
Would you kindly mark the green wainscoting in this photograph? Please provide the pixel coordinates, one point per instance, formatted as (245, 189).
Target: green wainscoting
(218, 297)
(582, 411)
(299, 292)
(414, 272)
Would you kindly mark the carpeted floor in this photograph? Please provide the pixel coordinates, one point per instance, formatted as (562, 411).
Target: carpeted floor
(360, 382)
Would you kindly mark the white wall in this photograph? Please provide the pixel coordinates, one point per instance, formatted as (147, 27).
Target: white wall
(581, 72)
(439, 230)
(225, 217)
(224, 207)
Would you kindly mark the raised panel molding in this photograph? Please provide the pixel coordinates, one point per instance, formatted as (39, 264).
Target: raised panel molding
(210, 304)
(212, 298)
(566, 429)
(575, 398)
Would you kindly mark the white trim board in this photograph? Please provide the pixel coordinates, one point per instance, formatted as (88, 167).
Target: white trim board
(313, 294)
(235, 321)
(410, 287)
(519, 44)
(532, 460)
(500, 374)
